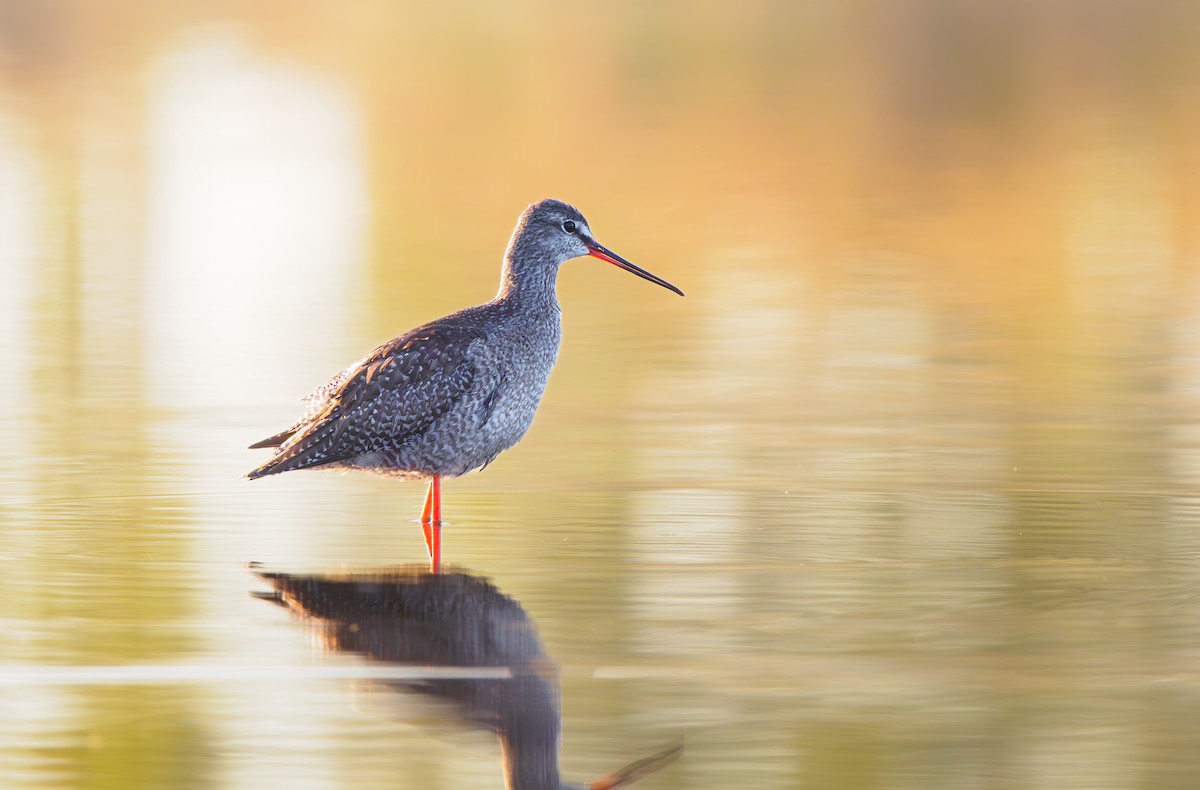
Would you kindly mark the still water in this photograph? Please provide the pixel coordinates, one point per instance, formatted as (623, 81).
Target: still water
(903, 494)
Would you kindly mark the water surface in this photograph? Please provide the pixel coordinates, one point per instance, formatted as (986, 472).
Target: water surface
(902, 495)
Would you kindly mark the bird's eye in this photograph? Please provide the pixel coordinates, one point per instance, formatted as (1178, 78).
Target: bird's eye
(569, 226)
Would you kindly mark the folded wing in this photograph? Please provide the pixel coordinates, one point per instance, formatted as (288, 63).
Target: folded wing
(392, 395)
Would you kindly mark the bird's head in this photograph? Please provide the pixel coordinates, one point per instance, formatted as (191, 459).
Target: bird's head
(556, 231)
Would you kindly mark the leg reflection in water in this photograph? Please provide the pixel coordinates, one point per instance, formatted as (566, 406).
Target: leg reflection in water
(505, 682)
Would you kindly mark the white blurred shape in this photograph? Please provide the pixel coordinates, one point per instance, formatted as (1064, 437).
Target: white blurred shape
(35, 725)
(257, 217)
(19, 223)
(255, 233)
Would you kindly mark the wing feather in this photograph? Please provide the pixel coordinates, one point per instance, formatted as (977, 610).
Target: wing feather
(394, 393)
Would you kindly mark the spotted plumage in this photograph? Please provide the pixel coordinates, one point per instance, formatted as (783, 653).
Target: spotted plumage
(449, 396)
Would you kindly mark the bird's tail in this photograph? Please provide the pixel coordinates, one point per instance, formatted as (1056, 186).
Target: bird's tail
(308, 446)
(274, 441)
(269, 468)
(286, 462)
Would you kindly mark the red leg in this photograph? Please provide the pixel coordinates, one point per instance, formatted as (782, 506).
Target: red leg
(427, 518)
(428, 537)
(436, 526)
(427, 511)
(431, 523)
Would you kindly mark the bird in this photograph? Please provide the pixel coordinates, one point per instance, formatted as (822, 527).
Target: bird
(460, 626)
(449, 396)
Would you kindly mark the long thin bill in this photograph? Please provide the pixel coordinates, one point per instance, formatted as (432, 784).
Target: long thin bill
(605, 254)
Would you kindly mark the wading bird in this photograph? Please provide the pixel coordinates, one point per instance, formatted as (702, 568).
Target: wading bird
(449, 396)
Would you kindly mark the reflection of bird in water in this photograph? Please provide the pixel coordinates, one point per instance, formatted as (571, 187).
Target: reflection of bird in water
(450, 396)
(408, 616)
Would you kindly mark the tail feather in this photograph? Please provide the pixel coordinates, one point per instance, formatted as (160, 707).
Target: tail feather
(316, 444)
(261, 471)
(287, 462)
(274, 441)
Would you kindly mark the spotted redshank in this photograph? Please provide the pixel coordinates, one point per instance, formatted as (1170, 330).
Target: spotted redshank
(449, 396)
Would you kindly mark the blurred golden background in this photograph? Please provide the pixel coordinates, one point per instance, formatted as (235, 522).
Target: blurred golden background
(903, 494)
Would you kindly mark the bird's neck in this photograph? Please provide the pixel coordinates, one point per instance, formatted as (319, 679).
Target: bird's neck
(530, 759)
(527, 280)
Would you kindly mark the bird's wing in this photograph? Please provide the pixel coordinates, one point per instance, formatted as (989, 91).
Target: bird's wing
(397, 391)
